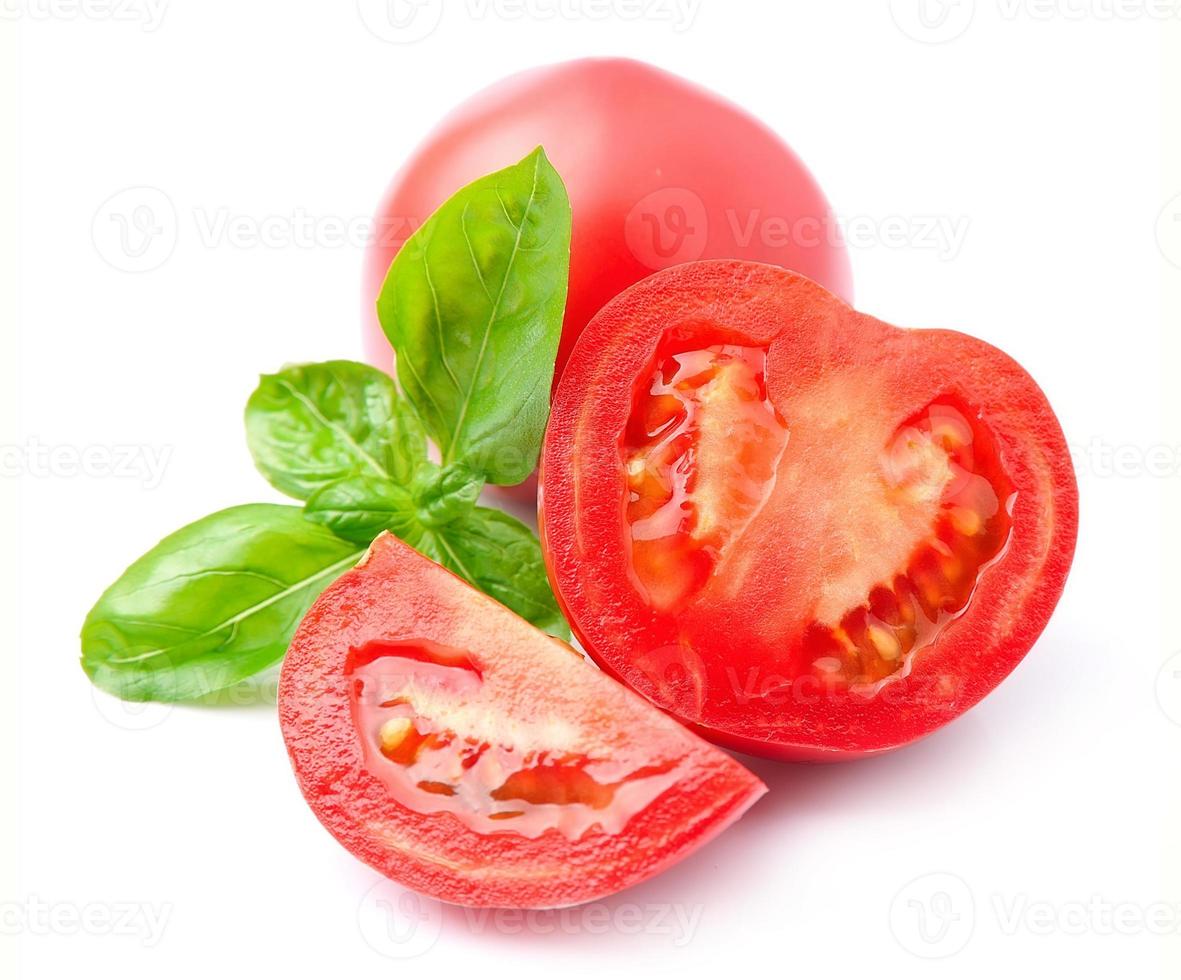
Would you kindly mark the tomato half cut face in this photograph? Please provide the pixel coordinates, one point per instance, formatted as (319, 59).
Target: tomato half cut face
(459, 750)
(803, 531)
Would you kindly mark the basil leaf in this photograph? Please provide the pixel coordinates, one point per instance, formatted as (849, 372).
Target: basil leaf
(211, 604)
(473, 306)
(315, 424)
(501, 557)
(445, 494)
(359, 508)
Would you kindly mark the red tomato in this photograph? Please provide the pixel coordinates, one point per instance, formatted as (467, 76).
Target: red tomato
(807, 533)
(457, 749)
(658, 170)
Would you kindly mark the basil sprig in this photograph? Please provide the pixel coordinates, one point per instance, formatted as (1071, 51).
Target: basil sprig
(473, 305)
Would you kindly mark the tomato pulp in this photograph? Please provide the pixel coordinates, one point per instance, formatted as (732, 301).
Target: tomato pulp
(461, 751)
(802, 531)
(659, 171)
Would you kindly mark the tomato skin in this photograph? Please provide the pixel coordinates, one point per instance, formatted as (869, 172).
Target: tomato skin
(639, 150)
(395, 593)
(812, 336)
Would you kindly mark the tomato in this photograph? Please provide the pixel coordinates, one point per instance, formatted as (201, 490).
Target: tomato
(459, 750)
(659, 171)
(802, 531)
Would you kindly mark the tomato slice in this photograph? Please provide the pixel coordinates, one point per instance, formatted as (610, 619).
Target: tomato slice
(806, 533)
(459, 750)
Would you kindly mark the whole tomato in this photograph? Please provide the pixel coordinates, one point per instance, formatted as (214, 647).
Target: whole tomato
(659, 172)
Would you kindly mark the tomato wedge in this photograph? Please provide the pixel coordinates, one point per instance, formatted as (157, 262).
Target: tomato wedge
(802, 531)
(459, 750)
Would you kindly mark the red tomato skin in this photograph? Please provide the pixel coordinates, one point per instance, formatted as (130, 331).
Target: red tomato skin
(638, 148)
(397, 593)
(580, 514)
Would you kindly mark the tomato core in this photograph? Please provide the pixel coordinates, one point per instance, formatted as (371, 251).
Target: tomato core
(417, 710)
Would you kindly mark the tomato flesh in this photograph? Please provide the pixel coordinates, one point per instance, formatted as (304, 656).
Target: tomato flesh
(418, 709)
(805, 532)
(701, 449)
(459, 750)
(940, 456)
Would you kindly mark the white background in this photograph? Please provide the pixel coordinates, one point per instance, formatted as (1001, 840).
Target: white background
(1019, 831)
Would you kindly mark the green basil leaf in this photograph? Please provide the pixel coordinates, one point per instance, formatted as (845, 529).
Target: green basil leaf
(315, 424)
(502, 558)
(473, 306)
(359, 508)
(211, 604)
(445, 494)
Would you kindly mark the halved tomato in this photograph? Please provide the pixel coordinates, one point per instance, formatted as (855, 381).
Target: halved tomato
(806, 533)
(459, 750)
